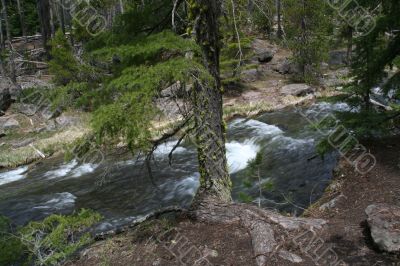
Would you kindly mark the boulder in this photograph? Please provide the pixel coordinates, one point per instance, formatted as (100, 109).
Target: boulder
(286, 67)
(265, 57)
(384, 223)
(263, 50)
(249, 75)
(297, 89)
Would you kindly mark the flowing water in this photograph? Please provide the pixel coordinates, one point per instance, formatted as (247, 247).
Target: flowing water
(121, 189)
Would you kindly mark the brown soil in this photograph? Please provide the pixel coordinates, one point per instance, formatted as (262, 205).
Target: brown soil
(347, 230)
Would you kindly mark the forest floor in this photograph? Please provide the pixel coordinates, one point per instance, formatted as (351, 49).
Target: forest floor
(346, 231)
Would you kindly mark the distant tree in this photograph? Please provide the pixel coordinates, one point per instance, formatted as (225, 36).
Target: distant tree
(21, 17)
(43, 8)
(9, 41)
(306, 25)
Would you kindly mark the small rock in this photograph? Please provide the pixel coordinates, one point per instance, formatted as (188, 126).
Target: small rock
(284, 254)
(331, 204)
(384, 222)
(65, 120)
(207, 252)
(297, 89)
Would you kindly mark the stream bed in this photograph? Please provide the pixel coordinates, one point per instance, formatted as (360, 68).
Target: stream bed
(121, 189)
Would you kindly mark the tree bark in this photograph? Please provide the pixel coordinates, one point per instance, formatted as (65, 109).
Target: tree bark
(9, 40)
(121, 6)
(52, 24)
(349, 44)
(207, 100)
(1, 32)
(62, 16)
(279, 12)
(43, 7)
(22, 19)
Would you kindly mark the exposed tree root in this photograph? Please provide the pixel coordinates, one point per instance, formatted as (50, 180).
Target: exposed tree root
(266, 228)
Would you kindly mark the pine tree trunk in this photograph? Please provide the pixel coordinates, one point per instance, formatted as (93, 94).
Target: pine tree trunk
(43, 7)
(214, 181)
(52, 25)
(62, 16)
(349, 44)
(1, 32)
(22, 19)
(2, 72)
(279, 11)
(121, 6)
(9, 40)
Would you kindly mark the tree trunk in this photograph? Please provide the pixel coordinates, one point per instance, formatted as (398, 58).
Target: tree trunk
(304, 60)
(1, 32)
(349, 44)
(279, 12)
(22, 18)
(9, 40)
(62, 16)
(121, 6)
(207, 100)
(43, 7)
(52, 24)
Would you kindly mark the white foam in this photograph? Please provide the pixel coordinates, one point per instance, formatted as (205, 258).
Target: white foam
(239, 154)
(14, 175)
(258, 127)
(72, 170)
(60, 201)
(291, 143)
(329, 107)
(166, 148)
(62, 171)
(84, 169)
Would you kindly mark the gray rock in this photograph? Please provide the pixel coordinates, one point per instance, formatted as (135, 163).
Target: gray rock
(384, 222)
(284, 254)
(65, 120)
(9, 123)
(27, 108)
(175, 90)
(297, 89)
(249, 75)
(286, 67)
(331, 204)
(265, 57)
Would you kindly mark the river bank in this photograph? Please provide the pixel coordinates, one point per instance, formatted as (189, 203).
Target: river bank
(345, 232)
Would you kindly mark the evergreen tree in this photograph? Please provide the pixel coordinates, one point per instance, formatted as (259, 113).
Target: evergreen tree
(306, 27)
